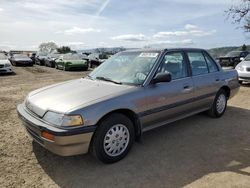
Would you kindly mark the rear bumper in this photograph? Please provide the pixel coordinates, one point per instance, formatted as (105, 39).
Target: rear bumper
(67, 142)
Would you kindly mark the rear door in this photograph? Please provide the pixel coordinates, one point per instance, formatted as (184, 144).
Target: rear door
(206, 78)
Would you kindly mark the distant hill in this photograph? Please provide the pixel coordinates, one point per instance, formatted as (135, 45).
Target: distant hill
(217, 52)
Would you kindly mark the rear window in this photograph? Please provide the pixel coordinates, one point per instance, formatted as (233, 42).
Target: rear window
(211, 64)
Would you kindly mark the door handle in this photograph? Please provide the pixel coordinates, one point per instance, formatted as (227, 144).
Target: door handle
(186, 87)
(217, 79)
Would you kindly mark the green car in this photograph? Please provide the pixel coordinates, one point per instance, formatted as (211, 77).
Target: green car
(71, 62)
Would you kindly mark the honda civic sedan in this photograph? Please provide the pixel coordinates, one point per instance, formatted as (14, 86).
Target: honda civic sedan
(130, 93)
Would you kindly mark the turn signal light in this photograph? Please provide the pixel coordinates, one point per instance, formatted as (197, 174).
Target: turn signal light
(48, 135)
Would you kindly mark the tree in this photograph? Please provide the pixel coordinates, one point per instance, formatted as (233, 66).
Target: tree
(64, 50)
(48, 47)
(244, 47)
(241, 14)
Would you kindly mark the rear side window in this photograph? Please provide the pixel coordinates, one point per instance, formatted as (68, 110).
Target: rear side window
(211, 64)
(198, 63)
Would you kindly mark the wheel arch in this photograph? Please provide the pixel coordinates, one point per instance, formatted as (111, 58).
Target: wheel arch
(227, 90)
(131, 115)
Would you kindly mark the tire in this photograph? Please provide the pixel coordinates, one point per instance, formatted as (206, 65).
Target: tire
(240, 82)
(219, 105)
(121, 141)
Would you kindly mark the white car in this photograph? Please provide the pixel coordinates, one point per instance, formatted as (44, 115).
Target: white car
(5, 65)
(243, 69)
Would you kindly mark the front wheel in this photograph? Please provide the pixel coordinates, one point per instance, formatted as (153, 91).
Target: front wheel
(113, 138)
(219, 105)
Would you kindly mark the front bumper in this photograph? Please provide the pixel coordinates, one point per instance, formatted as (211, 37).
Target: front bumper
(67, 142)
(76, 66)
(244, 75)
(6, 70)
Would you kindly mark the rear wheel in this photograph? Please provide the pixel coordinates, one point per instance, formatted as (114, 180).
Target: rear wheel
(113, 138)
(219, 105)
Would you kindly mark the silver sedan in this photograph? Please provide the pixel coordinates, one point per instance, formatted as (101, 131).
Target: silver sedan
(243, 69)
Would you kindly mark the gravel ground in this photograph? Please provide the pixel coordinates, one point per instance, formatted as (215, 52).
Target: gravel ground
(194, 152)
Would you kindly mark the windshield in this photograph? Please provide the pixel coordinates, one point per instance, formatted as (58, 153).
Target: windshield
(126, 67)
(233, 54)
(72, 57)
(3, 57)
(247, 58)
(20, 56)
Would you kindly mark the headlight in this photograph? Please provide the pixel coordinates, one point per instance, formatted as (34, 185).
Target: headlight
(63, 120)
(240, 68)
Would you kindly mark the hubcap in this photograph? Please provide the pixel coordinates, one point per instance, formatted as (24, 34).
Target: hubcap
(116, 140)
(221, 103)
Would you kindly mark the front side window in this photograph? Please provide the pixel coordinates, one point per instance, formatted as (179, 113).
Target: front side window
(126, 67)
(174, 63)
(198, 63)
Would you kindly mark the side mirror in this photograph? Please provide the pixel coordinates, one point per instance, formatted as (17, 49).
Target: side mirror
(242, 59)
(162, 77)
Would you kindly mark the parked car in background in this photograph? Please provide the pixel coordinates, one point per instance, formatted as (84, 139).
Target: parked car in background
(5, 65)
(232, 58)
(130, 93)
(41, 58)
(71, 62)
(243, 69)
(96, 59)
(50, 61)
(32, 56)
(20, 59)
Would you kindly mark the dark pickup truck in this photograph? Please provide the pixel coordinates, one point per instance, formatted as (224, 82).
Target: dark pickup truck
(232, 58)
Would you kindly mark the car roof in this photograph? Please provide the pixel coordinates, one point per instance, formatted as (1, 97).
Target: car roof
(162, 49)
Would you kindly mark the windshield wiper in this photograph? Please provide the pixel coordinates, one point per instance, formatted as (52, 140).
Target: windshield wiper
(107, 79)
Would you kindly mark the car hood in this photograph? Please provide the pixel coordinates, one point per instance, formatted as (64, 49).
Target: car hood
(227, 57)
(76, 61)
(69, 95)
(245, 63)
(22, 59)
(3, 62)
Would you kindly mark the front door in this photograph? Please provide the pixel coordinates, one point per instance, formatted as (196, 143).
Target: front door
(169, 100)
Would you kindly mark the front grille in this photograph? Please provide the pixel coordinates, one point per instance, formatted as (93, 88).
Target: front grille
(35, 136)
(245, 78)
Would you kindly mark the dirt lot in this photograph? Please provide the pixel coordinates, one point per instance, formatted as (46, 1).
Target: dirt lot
(194, 152)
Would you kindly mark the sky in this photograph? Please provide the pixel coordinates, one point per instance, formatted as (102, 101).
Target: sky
(84, 24)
